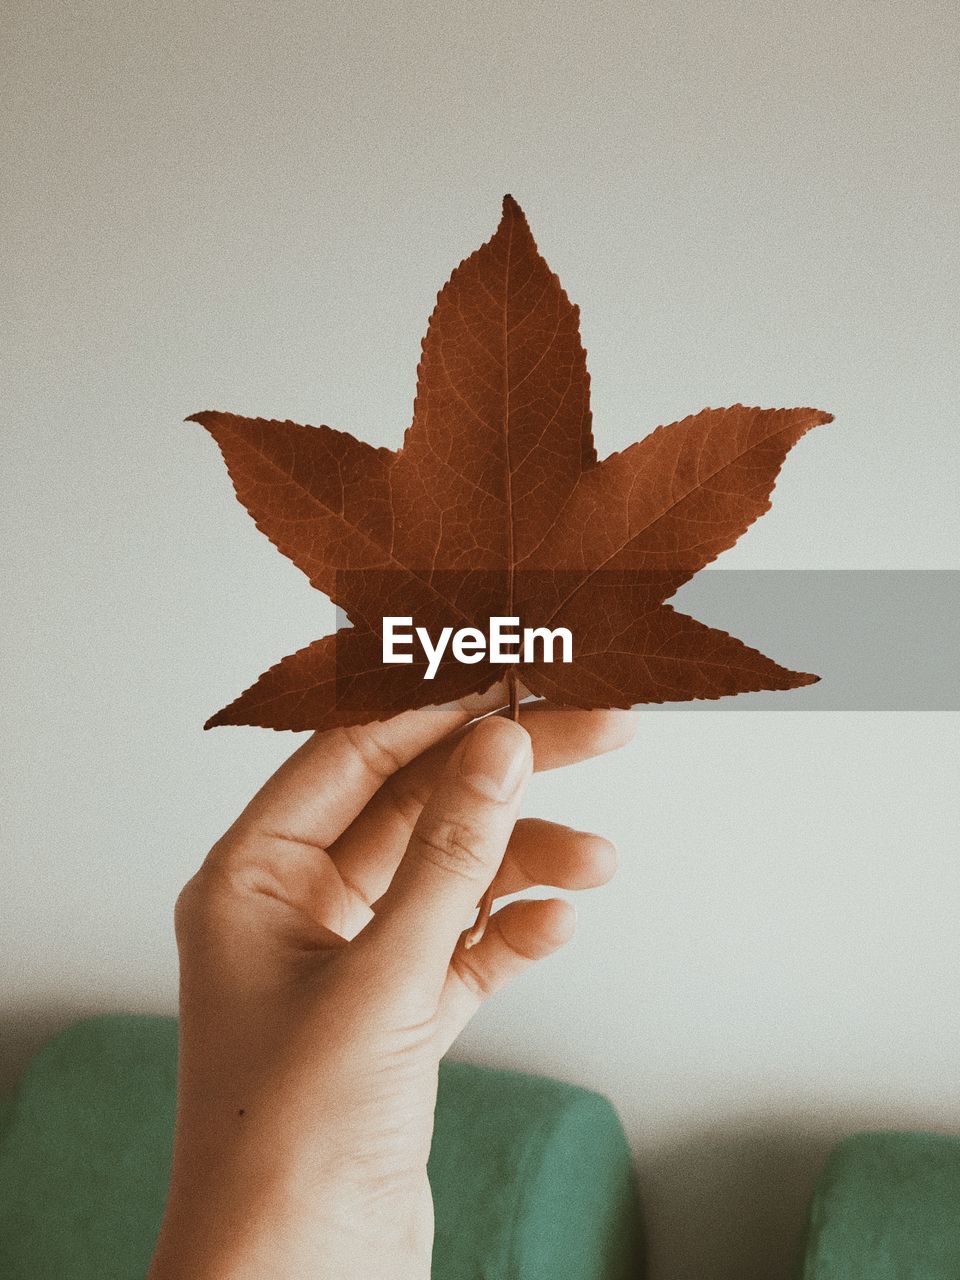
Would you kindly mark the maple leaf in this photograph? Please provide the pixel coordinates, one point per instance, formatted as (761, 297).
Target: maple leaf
(496, 505)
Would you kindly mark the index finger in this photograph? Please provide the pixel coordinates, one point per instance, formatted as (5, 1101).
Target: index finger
(315, 795)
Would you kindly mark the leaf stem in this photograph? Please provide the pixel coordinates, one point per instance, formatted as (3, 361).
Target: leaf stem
(513, 685)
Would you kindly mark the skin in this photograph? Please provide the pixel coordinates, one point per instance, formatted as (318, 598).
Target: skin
(323, 977)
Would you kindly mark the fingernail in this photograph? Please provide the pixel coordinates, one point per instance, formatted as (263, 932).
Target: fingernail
(496, 758)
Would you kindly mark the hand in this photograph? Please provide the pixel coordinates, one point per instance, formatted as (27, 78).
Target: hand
(322, 980)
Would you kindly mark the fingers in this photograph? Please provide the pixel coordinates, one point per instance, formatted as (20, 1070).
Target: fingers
(542, 852)
(367, 853)
(517, 936)
(305, 878)
(566, 735)
(315, 795)
(279, 841)
(456, 847)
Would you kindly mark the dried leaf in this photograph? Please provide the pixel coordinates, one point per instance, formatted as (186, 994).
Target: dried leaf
(496, 505)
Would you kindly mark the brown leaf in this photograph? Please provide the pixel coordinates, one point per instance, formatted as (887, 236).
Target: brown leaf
(323, 498)
(341, 680)
(670, 503)
(496, 506)
(501, 421)
(656, 656)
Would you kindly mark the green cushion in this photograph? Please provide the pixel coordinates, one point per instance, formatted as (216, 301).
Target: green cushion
(531, 1178)
(887, 1207)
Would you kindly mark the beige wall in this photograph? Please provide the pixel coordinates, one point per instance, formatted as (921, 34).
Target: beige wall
(251, 206)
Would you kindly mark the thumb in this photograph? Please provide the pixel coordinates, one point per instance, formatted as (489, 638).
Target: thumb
(455, 850)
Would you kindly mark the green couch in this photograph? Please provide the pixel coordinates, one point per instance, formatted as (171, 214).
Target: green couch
(887, 1207)
(532, 1179)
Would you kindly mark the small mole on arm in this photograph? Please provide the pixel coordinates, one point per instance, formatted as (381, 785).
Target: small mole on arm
(242, 1112)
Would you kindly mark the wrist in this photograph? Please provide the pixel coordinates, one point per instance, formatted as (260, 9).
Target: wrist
(305, 1233)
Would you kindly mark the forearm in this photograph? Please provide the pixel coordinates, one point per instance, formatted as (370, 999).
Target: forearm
(302, 1234)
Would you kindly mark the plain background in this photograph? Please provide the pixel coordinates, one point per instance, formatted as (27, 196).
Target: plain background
(251, 207)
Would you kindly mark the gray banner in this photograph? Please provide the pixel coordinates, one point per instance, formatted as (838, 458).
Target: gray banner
(880, 639)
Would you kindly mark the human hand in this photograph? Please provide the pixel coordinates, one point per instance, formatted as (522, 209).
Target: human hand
(322, 981)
